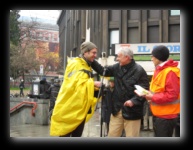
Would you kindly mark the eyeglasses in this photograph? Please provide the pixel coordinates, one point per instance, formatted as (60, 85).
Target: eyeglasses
(93, 52)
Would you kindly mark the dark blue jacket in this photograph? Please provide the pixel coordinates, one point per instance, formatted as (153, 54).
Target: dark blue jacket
(21, 85)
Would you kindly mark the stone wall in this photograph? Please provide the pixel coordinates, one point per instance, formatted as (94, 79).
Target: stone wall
(24, 115)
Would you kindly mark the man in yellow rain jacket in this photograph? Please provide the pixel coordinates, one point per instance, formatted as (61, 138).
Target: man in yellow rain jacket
(75, 102)
(164, 95)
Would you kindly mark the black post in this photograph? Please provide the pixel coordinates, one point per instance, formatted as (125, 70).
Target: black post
(100, 90)
(101, 123)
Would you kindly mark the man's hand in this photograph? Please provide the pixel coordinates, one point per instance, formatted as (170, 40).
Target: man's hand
(97, 84)
(128, 103)
(148, 96)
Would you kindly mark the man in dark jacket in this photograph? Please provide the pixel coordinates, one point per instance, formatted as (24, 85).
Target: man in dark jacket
(127, 107)
(44, 86)
(53, 93)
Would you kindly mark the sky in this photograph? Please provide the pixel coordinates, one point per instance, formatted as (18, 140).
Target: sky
(41, 14)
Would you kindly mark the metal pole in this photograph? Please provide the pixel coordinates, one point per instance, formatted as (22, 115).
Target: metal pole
(100, 88)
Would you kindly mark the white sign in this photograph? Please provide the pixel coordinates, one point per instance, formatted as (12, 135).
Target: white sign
(35, 89)
(41, 69)
(146, 48)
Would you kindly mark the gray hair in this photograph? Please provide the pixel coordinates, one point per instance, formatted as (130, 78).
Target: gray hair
(126, 51)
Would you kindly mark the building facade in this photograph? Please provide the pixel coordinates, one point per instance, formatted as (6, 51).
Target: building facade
(107, 28)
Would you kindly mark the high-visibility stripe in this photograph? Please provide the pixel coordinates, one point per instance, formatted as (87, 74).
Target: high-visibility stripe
(173, 102)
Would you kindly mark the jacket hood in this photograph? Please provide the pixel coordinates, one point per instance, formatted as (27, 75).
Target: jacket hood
(169, 63)
(43, 81)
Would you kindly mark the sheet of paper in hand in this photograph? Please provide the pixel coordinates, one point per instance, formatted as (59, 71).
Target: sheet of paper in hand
(140, 91)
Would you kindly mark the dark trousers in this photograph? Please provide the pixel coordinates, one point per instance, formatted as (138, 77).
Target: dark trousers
(163, 127)
(21, 92)
(177, 131)
(77, 132)
(177, 128)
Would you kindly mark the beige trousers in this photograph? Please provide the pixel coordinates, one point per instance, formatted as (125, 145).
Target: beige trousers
(118, 123)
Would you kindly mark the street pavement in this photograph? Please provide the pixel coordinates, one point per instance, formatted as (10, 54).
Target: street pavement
(92, 129)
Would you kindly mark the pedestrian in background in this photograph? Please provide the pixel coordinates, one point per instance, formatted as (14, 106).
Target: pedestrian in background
(52, 80)
(127, 110)
(21, 87)
(75, 102)
(164, 94)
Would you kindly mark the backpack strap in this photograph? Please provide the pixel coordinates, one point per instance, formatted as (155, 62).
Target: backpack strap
(90, 74)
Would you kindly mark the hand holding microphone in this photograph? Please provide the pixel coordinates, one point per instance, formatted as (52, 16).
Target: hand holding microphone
(97, 84)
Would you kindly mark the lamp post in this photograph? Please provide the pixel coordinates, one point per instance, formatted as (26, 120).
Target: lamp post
(41, 71)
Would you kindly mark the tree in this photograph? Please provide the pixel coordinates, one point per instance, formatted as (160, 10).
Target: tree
(22, 54)
(22, 59)
(14, 30)
(31, 51)
(48, 55)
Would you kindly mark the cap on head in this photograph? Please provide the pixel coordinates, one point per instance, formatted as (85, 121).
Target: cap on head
(87, 46)
(161, 52)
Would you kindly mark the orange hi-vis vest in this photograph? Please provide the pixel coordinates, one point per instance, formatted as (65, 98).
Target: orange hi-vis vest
(157, 85)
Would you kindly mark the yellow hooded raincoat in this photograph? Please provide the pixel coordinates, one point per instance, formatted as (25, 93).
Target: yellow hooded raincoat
(75, 98)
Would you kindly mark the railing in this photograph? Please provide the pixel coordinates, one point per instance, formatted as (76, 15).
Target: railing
(22, 104)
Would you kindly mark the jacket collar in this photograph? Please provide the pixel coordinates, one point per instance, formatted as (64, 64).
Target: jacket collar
(126, 67)
(88, 62)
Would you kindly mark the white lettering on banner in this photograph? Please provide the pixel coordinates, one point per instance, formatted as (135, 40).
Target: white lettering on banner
(146, 48)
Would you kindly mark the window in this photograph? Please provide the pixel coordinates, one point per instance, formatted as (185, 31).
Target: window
(114, 36)
(114, 39)
(174, 12)
(133, 36)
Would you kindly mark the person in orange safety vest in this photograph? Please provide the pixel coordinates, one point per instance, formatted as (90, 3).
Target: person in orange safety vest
(164, 94)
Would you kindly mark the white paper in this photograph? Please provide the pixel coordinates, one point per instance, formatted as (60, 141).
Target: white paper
(140, 90)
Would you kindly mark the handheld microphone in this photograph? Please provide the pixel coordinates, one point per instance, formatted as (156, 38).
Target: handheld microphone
(105, 69)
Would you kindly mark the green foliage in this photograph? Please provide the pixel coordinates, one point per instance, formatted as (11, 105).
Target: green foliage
(14, 30)
(13, 67)
(22, 53)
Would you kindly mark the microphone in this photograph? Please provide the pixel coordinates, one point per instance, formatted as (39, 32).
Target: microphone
(105, 67)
